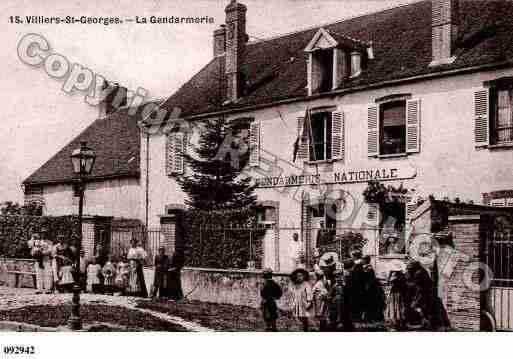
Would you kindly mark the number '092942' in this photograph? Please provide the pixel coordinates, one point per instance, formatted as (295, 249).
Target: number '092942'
(19, 349)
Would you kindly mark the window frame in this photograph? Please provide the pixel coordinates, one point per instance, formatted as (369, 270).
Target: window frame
(381, 136)
(326, 140)
(494, 114)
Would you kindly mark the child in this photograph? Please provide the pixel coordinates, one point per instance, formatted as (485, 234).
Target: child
(133, 283)
(302, 299)
(270, 293)
(121, 280)
(66, 274)
(108, 271)
(320, 293)
(93, 276)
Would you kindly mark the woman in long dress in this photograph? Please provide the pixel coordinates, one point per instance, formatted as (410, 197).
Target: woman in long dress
(396, 301)
(137, 255)
(42, 251)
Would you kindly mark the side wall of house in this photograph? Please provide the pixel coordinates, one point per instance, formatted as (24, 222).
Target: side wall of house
(113, 198)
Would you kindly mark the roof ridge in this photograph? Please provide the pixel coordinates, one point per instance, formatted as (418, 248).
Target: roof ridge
(279, 36)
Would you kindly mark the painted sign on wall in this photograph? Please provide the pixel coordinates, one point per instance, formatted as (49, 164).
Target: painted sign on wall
(349, 175)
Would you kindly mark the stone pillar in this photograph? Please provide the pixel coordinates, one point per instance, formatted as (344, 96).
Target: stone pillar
(171, 227)
(96, 230)
(463, 298)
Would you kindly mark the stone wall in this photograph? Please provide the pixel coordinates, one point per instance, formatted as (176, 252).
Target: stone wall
(22, 265)
(238, 287)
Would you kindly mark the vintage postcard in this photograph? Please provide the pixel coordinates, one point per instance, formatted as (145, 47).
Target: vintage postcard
(251, 166)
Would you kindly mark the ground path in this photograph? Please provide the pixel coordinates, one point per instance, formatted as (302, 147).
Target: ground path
(14, 298)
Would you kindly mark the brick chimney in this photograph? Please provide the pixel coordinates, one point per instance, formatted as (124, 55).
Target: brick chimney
(236, 39)
(220, 41)
(444, 18)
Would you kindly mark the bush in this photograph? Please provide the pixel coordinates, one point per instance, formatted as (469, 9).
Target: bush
(15, 232)
(222, 239)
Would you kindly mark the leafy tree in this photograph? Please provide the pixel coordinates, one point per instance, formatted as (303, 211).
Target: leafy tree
(216, 163)
(14, 208)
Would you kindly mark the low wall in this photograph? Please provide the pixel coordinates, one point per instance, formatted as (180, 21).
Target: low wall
(239, 287)
(22, 265)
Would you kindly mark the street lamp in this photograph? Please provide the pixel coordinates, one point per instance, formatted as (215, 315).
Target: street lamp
(82, 160)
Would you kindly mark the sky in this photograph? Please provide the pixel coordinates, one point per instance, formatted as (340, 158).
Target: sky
(38, 118)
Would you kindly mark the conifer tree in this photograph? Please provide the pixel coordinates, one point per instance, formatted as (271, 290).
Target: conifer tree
(216, 163)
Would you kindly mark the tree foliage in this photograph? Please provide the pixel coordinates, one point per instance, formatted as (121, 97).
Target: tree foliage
(216, 165)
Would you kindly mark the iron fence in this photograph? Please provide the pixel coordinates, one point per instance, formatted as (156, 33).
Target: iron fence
(499, 258)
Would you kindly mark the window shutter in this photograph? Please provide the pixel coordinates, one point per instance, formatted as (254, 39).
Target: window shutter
(179, 150)
(338, 136)
(254, 144)
(373, 214)
(413, 126)
(481, 117)
(410, 208)
(169, 154)
(373, 130)
(303, 150)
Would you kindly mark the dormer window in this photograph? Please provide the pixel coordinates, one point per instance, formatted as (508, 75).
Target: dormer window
(323, 59)
(332, 58)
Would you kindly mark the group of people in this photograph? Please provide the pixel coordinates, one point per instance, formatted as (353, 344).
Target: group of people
(54, 263)
(343, 294)
(56, 270)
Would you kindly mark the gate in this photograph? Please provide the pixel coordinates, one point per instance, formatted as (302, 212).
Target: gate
(499, 258)
(150, 239)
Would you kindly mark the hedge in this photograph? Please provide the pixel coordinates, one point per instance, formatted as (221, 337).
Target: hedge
(15, 232)
(222, 239)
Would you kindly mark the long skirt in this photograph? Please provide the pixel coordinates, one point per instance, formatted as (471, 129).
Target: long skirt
(44, 276)
(395, 310)
(160, 284)
(174, 285)
(139, 287)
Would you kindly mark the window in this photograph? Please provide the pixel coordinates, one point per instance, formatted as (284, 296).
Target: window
(320, 148)
(502, 116)
(33, 191)
(392, 233)
(393, 127)
(325, 60)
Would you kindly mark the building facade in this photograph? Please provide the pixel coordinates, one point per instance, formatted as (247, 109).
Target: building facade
(350, 106)
(418, 96)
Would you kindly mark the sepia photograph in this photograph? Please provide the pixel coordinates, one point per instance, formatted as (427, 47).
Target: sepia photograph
(256, 166)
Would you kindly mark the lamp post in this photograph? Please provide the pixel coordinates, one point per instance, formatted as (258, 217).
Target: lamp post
(82, 160)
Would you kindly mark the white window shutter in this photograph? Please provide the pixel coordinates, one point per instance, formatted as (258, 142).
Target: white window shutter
(338, 136)
(179, 150)
(303, 152)
(413, 126)
(373, 131)
(254, 144)
(482, 117)
(169, 154)
(373, 214)
(410, 208)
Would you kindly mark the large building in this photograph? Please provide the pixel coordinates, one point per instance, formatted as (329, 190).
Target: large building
(418, 95)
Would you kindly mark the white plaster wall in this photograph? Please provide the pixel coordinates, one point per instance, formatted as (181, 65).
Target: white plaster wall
(447, 165)
(116, 197)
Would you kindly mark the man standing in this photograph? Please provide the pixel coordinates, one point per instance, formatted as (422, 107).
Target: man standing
(160, 282)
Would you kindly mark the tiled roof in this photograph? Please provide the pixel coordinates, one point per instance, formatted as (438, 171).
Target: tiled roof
(401, 40)
(116, 141)
(276, 70)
